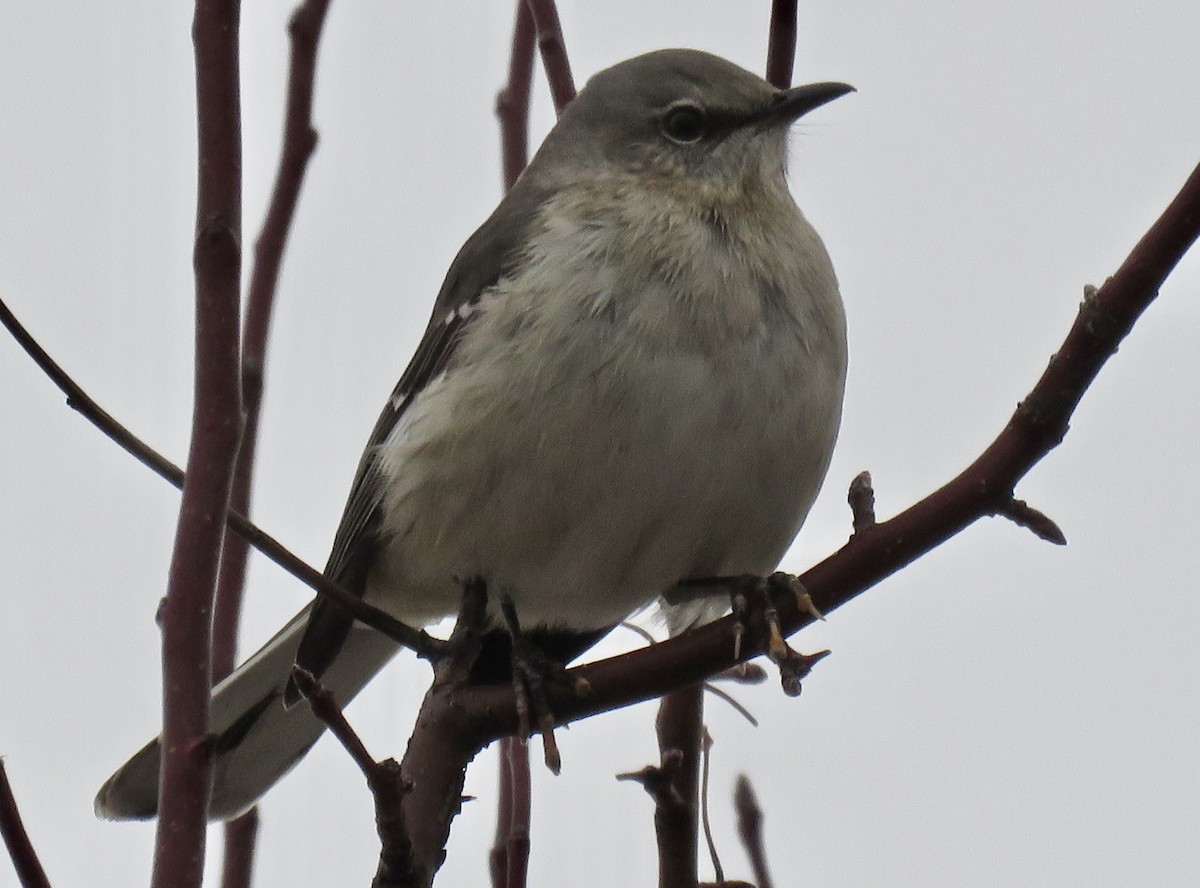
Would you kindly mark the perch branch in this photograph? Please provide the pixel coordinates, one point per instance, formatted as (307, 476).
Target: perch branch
(448, 736)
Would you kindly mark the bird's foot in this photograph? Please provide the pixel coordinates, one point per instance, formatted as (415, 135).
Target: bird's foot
(532, 670)
(753, 602)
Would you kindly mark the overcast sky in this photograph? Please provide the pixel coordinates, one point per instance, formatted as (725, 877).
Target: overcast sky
(1002, 713)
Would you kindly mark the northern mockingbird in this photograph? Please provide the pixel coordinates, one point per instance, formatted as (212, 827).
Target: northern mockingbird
(633, 376)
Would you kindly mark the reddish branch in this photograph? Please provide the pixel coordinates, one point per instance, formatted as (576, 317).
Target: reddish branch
(509, 857)
(384, 779)
(29, 869)
(512, 102)
(554, 52)
(677, 811)
(453, 727)
(299, 142)
(418, 641)
(216, 430)
(508, 861)
(241, 839)
(781, 44)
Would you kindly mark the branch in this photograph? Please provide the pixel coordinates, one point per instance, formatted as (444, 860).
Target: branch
(781, 44)
(512, 102)
(240, 842)
(508, 861)
(450, 732)
(509, 858)
(216, 431)
(679, 726)
(388, 787)
(20, 849)
(299, 142)
(418, 641)
(554, 52)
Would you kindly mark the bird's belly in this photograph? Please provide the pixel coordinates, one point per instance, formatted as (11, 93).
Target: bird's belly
(583, 494)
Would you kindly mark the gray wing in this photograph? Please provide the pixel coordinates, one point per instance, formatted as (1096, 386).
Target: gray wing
(486, 257)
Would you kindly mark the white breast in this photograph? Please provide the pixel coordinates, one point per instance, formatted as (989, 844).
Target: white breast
(612, 423)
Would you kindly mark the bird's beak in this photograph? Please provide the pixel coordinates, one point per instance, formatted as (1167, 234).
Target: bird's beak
(790, 105)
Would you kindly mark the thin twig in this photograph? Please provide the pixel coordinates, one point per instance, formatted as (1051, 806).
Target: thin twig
(418, 641)
(781, 43)
(388, 787)
(732, 701)
(512, 102)
(554, 52)
(326, 708)
(498, 856)
(16, 839)
(705, 761)
(515, 810)
(216, 432)
(299, 141)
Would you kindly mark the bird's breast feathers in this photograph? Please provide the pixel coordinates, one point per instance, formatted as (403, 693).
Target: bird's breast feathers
(647, 423)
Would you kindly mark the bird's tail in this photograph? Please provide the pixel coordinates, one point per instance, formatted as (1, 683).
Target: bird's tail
(256, 739)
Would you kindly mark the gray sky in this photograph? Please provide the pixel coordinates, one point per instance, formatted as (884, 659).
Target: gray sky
(1001, 713)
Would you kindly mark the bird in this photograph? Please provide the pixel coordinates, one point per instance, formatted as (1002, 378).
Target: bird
(633, 376)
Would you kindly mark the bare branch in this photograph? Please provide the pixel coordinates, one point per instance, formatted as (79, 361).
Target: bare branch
(676, 813)
(554, 52)
(299, 142)
(216, 432)
(388, 786)
(781, 44)
(509, 858)
(16, 839)
(419, 641)
(240, 841)
(512, 102)
(326, 708)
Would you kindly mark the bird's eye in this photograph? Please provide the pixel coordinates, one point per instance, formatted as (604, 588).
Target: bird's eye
(684, 124)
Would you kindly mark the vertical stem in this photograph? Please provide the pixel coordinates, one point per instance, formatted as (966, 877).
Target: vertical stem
(512, 102)
(676, 819)
(554, 52)
(781, 44)
(216, 430)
